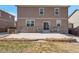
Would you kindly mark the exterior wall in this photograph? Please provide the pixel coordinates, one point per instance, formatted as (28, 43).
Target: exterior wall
(5, 21)
(24, 13)
(74, 19)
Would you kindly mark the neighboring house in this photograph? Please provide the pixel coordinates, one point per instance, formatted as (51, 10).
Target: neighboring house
(42, 18)
(74, 19)
(6, 21)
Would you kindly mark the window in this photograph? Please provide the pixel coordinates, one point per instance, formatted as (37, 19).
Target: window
(30, 23)
(41, 11)
(58, 23)
(56, 11)
(46, 26)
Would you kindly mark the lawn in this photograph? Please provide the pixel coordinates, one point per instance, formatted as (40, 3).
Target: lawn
(21, 46)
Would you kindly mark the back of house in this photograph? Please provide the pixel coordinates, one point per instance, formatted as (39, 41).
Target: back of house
(42, 18)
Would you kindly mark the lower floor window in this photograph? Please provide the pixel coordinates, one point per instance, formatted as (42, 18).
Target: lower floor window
(30, 23)
(58, 25)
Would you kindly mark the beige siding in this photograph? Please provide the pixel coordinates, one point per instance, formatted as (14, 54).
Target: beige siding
(74, 19)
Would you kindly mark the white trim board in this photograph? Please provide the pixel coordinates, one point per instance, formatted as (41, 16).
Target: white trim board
(42, 18)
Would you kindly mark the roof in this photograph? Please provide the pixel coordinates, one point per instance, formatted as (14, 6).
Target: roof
(7, 13)
(42, 5)
(73, 12)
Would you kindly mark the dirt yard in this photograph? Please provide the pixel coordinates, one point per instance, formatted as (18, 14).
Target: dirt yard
(38, 47)
(48, 43)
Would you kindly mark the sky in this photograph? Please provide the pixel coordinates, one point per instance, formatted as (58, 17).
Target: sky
(9, 8)
(13, 10)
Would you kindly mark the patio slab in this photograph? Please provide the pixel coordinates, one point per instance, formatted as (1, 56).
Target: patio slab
(37, 35)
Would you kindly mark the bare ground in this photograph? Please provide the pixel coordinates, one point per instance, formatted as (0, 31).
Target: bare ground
(22, 46)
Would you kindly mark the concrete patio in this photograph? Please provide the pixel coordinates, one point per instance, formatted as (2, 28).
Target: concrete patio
(35, 35)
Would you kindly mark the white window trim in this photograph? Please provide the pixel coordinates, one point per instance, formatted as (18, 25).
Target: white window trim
(43, 12)
(58, 11)
(30, 20)
(58, 21)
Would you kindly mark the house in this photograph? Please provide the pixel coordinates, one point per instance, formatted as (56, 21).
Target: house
(42, 18)
(6, 21)
(74, 19)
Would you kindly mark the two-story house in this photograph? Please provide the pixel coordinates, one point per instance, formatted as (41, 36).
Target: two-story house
(42, 18)
(6, 21)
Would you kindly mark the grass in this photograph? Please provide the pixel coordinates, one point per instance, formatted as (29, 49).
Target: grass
(21, 46)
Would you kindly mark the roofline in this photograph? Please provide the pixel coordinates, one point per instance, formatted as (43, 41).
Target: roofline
(73, 13)
(42, 5)
(7, 12)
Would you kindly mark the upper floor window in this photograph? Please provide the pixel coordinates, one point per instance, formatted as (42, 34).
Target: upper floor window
(41, 11)
(56, 11)
(30, 23)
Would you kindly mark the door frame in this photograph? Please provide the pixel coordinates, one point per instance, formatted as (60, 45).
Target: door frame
(49, 26)
(58, 21)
